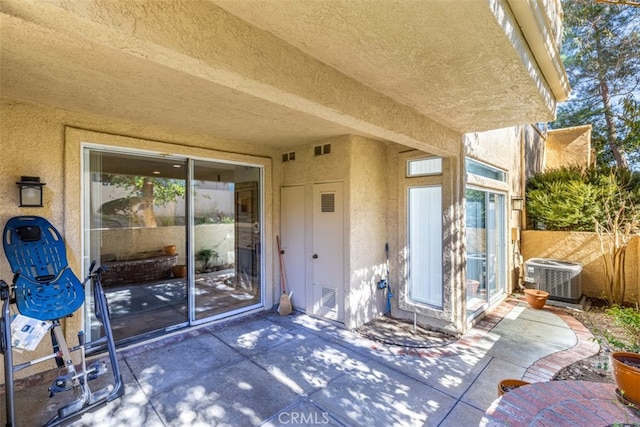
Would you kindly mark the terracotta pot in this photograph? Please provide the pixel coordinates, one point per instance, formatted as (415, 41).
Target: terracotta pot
(626, 376)
(170, 249)
(509, 384)
(179, 271)
(536, 298)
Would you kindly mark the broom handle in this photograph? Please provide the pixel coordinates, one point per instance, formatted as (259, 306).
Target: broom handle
(282, 278)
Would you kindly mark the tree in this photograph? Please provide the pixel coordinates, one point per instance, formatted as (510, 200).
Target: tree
(602, 41)
(147, 192)
(615, 230)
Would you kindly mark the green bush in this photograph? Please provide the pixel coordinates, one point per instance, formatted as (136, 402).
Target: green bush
(573, 198)
(562, 205)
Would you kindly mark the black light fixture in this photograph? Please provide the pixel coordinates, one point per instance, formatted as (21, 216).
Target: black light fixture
(30, 191)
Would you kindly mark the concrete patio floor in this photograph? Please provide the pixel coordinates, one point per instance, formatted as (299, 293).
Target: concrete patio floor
(298, 370)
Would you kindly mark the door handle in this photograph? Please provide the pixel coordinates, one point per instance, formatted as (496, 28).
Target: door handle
(315, 256)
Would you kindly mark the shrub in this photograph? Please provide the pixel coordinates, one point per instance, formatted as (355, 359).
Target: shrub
(629, 319)
(562, 205)
(574, 198)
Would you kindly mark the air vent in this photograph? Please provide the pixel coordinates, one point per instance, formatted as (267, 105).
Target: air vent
(328, 298)
(328, 202)
(289, 156)
(320, 150)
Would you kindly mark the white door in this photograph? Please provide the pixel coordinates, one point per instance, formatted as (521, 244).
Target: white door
(328, 251)
(292, 228)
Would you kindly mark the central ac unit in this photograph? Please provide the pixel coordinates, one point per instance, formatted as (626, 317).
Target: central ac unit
(562, 279)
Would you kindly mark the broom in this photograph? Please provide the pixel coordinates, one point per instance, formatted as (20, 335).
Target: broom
(285, 301)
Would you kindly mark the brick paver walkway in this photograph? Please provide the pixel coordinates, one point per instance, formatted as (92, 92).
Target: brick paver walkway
(559, 404)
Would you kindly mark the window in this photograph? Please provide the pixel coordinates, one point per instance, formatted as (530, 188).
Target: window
(481, 169)
(424, 167)
(425, 244)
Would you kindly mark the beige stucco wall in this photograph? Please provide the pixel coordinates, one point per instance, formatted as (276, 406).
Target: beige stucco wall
(534, 151)
(569, 146)
(368, 229)
(361, 164)
(584, 248)
(42, 141)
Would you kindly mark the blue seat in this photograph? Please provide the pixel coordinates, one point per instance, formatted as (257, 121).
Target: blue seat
(45, 286)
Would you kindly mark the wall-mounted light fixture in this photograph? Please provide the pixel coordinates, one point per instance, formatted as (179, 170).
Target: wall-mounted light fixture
(30, 191)
(517, 203)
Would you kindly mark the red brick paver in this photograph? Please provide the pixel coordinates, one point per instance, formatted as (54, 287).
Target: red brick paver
(559, 404)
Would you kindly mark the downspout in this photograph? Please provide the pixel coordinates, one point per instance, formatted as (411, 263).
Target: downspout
(522, 215)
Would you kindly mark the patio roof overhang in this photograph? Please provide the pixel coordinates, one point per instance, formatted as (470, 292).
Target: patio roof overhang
(284, 73)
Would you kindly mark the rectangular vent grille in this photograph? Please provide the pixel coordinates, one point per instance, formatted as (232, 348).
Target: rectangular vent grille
(289, 156)
(320, 150)
(328, 202)
(329, 298)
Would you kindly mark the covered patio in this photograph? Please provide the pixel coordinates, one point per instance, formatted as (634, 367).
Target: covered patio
(272, 370)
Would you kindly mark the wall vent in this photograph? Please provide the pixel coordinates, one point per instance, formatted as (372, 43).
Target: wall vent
(328, 298)
(289, 156)
(328, 202)
(320, 150)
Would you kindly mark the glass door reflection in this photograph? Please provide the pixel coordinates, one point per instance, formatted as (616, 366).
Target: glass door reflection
(227, 232)
(136, 212)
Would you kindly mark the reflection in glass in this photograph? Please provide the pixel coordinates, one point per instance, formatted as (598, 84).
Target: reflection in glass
(140, 216)
(486, 247)
(136, 211)
(227, 237)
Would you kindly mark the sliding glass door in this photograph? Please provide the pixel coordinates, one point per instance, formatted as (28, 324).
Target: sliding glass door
(226, 239)
(486, 247)
(180, 239)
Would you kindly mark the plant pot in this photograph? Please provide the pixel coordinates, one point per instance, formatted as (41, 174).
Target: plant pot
(170, 250)
(536, 298)
(472, 288)
(509, 384)
(626, 373)
(179, 271)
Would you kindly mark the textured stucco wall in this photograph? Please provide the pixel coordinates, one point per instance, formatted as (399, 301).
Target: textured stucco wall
(585, 249)
(568, 147)
(43, 141)
(534, 151)
(501, 148)
(128, 63)
(369, 189)
(31, 144)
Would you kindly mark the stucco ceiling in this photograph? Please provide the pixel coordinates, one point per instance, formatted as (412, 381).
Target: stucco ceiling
(451, 62)
(44, 66)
